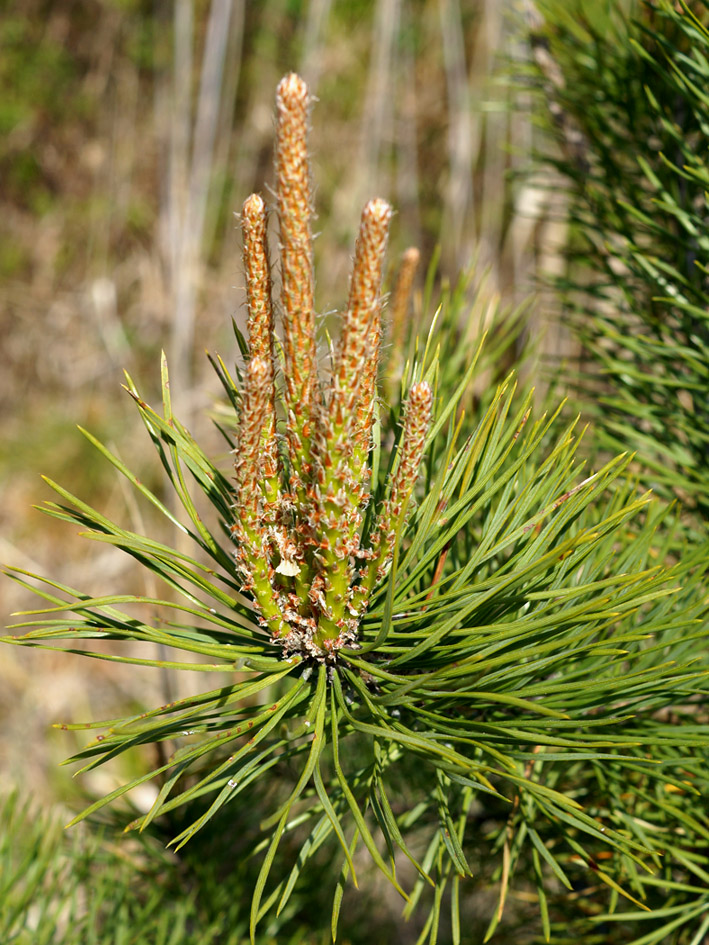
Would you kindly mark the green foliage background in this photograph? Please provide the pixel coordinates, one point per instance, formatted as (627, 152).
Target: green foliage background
(626, 89)
(636, 287)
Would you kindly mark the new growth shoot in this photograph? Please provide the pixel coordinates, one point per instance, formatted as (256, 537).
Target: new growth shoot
(299, 507)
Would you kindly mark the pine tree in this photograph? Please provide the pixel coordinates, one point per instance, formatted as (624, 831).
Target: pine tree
(458, 653)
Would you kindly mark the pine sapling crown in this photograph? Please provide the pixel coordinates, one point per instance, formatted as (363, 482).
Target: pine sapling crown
(515, 664)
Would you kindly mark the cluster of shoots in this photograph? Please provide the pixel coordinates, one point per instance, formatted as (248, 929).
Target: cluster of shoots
(302, 469)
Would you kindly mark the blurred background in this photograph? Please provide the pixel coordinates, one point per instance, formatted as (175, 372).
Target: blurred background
(132, 132)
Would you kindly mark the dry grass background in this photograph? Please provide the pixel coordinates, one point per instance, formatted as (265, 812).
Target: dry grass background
(133, 131)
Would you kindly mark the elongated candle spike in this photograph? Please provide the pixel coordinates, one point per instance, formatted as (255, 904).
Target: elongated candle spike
(401, 297)
(295, 215)
(342, 442)
(258, 279)
(260, 329)
(302, 389)
(252, 553)
(416, 422)
(417, 419)
(361, 327)
(248, 463)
